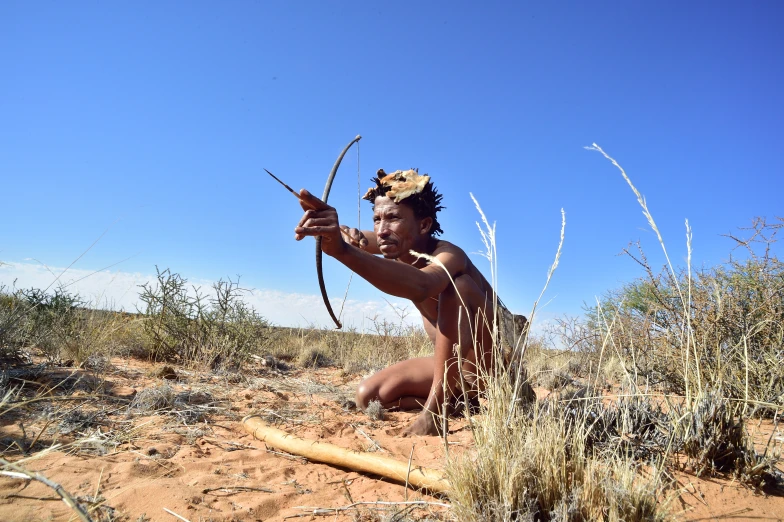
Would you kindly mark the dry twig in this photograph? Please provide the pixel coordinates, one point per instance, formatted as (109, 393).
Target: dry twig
(21, 473)
(334, 511)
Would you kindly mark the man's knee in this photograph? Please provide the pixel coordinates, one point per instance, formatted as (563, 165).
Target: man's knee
(365, 394)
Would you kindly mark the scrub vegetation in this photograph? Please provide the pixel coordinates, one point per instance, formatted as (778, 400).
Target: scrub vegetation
(662, 376)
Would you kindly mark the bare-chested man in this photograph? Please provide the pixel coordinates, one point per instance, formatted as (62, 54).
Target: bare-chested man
(405, 205)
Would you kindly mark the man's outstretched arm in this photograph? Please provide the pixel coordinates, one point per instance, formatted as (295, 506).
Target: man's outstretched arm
(398, 279)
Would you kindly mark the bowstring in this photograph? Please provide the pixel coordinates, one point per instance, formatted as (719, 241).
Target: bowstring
(359, 222)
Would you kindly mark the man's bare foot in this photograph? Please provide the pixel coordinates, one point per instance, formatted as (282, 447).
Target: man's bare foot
(425, 424)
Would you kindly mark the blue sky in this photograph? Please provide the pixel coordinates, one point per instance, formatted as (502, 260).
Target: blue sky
(154, 120)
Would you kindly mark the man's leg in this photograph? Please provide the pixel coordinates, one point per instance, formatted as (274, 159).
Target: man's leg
(402, 386)
(464, 314)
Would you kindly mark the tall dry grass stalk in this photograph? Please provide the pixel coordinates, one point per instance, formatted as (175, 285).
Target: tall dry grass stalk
(532, 463)
(685, 304)
(724, 325)
(705, 323)
(536, 466)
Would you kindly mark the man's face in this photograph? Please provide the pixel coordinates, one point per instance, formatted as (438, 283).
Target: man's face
(397, 228)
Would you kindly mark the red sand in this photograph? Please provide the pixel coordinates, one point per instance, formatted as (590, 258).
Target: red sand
(216, 471)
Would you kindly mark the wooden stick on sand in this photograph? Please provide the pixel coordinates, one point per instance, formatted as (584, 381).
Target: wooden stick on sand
(430, 479)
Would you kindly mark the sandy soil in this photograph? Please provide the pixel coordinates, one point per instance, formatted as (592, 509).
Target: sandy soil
(195, 460)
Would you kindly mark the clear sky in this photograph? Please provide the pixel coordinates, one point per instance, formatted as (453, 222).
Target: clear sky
(155, 119)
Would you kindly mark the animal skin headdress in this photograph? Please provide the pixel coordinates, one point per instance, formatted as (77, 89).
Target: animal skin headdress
(408, 186)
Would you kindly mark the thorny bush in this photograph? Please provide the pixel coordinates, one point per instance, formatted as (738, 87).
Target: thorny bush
(191, 327)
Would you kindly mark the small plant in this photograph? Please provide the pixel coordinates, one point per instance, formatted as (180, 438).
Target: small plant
(712, 434)
(11, 330)
(313, 357)
(375, 411)
(553, 380)
(150, 400)
(540, 467)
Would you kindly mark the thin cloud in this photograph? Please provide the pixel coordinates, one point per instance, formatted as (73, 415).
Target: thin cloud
(118, 290)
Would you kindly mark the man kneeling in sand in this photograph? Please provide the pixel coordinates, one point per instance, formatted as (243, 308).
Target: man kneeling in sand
(405, 205)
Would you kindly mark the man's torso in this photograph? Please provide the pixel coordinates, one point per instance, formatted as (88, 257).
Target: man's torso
(429, 306)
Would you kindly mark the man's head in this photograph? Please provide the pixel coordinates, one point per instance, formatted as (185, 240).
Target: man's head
(405, 205)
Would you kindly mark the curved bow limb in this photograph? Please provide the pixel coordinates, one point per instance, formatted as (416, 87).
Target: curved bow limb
(319, 254)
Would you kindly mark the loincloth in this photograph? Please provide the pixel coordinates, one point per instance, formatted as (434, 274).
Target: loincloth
(510, 331)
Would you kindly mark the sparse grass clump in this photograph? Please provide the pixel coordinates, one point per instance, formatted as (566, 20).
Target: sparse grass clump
(375, 411)
(54, 323)
(153, 399)
(633, 426)
(553, 379)
(712, 435)
(549, 368)
(313, 357)
(538, 466)
(11, 331)
(355, 352)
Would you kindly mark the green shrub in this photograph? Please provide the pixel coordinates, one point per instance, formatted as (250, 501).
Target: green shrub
(54, 322)
(57, 325)
(48, 322)
(729, 336)
(11, 333)
(192, 328)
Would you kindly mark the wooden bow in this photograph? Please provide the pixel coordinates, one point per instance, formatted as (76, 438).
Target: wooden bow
(319, 254)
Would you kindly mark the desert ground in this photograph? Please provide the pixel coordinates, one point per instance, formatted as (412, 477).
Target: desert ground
(138, 441)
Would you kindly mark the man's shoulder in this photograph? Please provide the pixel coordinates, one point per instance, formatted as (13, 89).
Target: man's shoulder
(445, 247)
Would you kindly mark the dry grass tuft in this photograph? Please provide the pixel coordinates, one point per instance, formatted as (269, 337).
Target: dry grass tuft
(553, 380)
(538, 466)
(633, 426)
(356, 353)
(375, 411)
(713, 437)
(546, 463)
(314, 357)
(151, 400)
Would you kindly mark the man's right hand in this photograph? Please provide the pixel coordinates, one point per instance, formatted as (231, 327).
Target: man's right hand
(354, 237)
